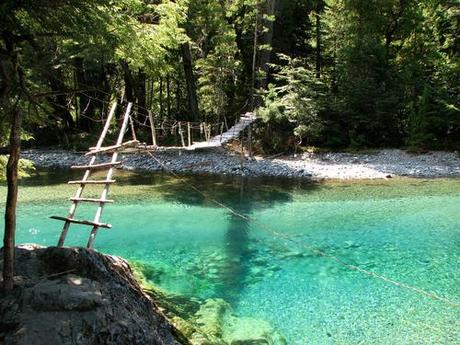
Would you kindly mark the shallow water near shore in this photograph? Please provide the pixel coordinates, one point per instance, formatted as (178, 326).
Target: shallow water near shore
(407, 230)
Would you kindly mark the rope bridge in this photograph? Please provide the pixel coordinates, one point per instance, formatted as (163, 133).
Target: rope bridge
(109, 166)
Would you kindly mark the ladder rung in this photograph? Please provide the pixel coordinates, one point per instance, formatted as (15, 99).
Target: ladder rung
(82, 222)
(92, 182)
(91, 200)
(95, 166)
(113, 148)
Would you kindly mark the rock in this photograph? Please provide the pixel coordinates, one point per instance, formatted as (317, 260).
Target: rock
(217, 323)
(249, 331)
(78, 296)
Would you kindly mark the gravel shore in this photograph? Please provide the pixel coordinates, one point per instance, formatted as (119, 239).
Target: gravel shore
(381, 164)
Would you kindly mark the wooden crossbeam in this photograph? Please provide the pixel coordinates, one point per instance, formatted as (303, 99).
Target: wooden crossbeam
(83, 182)
(101, 166)
(91, 200)
(82, 222)
(113, 148)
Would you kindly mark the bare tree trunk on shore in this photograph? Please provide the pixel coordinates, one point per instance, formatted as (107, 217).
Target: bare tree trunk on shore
(11, 200)
(190, 81)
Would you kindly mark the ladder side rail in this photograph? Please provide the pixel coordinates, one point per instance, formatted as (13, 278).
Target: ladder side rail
(79, 192)
(105, 191)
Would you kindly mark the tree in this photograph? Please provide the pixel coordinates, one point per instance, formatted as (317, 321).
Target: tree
(31, 28)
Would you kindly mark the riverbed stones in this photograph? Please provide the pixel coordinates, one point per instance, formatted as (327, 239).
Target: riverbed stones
(337, 165)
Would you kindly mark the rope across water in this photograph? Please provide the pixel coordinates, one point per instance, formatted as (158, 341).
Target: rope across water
(311, 248)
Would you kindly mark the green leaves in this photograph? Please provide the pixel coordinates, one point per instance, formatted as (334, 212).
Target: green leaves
(297, 98)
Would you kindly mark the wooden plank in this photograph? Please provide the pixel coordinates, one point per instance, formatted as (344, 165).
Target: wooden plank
(83, 182)
(91, 200)
(82, 222)
(101, 166)
(113, 148)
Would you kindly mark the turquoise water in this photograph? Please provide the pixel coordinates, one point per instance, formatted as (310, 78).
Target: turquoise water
(406, 230)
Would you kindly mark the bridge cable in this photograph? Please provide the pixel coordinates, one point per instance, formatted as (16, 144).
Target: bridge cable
(311, 248)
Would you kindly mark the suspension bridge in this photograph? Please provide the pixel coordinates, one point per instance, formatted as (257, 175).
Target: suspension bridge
(130, 146)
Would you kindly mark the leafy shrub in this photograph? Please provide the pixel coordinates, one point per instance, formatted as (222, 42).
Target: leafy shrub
(25, 167)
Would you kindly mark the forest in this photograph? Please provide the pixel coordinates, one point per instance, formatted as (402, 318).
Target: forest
(322, 73)
(288, 171)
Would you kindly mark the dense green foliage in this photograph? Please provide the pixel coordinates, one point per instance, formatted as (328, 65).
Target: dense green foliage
(25, 168)
(334, 73)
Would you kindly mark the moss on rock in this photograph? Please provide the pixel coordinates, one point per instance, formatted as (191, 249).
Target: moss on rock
(210, 321)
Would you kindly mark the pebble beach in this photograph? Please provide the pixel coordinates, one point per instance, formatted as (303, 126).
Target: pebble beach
(343, 166)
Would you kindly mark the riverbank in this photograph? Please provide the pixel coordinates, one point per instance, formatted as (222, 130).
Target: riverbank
(376, 165)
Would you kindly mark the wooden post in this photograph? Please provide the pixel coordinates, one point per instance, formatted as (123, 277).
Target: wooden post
(131, 123)
(152, 129)
(209, 131)
(189, 132)
(242, 150)
(181, 133)
(221, 131)
(250, 140)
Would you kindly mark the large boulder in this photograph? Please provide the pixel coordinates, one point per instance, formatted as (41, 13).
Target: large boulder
(78, 296)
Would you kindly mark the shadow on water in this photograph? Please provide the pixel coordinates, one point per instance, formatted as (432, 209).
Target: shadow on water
(243, 195)
(52, 177)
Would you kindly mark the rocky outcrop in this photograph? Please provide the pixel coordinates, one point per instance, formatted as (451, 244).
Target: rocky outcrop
(78, 296)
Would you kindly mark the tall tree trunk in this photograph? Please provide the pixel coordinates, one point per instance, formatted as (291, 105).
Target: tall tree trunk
(60, 102)
(268, 10)
(168, 96)
(141, 93)
(129, 83)
(267, 39)
(161, 98)
(178, 98)
(11, 200)
(319, 9)
(190, 80)
(254, 61)
(84, 102)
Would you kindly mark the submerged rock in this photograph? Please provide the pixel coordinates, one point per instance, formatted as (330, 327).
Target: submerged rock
(78, 296)
(211, 321)
(216, 319)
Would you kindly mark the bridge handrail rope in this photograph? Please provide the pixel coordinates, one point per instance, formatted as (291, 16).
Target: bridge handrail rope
(174, 125)
(311, 248)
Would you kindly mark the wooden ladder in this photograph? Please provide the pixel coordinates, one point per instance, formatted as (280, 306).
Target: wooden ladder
(94, 151)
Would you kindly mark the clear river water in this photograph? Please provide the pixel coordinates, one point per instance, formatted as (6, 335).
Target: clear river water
(404, 229)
